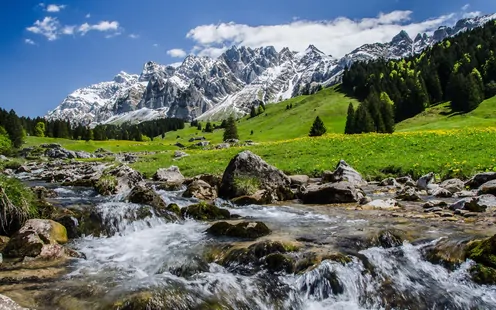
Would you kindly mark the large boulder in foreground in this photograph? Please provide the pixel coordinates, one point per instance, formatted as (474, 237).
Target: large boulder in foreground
(483, 252)
(247, 173)
(245, 230)
(329, 193)
(343, 173)
(37, 238)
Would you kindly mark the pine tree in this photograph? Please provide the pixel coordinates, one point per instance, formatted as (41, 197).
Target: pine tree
(17, 134)
(223, 124)
(199, 126)
(318, 128)
(350, 120)
(39, 129)
(231, 131)
(208, 127)
(261, 109)
(387, 112)
(253, 111)
(363, 120)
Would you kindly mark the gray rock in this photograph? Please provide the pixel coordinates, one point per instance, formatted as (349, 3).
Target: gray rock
(201, 190)
(82, 154)
(464, 194)
(127, 177)
(8, 304)
(459, 205)
(232, 141)
(406, 180)
(434, 209)
(408, 194)
(481, 203)
(180, 154)
(180, 145)
(51, 145)
(3, 158)
(130, 158)
(453, 185)
(244, 230)
(248, 173)
(222, 146)
(379, 204)
(60, 153)
(390, 182)
(442, 193)
(298, 180)
(343, 173)
(42, 192)
(488, 188)
(424, 181)
(147, 196)
(202, 143)
(435, 203)
(170, 175)
(329, 193)
(481, 178)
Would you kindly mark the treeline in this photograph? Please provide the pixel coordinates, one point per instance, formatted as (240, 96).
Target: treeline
(461, 69)
(14, 129)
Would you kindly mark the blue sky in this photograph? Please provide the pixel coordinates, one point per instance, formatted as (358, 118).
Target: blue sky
(50, 49)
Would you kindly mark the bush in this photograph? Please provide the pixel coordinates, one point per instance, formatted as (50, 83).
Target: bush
(17, 205)
(246, 186)
(5, 143)
(106, 185)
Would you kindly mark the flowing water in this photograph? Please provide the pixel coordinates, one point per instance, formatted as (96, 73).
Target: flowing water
(145, 255)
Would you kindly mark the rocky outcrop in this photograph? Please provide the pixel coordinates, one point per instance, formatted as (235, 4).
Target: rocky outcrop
(483, 252)
(329, 193)
(201, 190)
(247, 173)
(171, 176)
(38, 238)
(244, 230)
(343, 173)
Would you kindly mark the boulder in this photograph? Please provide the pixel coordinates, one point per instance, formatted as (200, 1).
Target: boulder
(389, 204)
(8, 304)
(202, 143)
(247, 173)
(406, 180)
(71, 225)
(343, 173)
(453, 185)
(147, 196)
(106, 185)
(390, 182)
(130, 158)
(171, 176)
(82, 154)
(459, 205)
(477, 180)
(465, 194)
(434, 203)
(481, 203)
(179, 154)
(389, 238)
(260, 197)
(408, 194)
(201, 190)
(299, 180)
(245, 230)
(341, 192)
(221, 146)
(35, 238)
(483, 252)
(442, 193)
(203, 211)
(60, 153)
(424, 181)
(488, 188)
(42, 192)
(212, 179)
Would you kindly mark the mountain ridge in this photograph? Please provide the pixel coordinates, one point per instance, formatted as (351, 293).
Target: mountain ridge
(206, 88)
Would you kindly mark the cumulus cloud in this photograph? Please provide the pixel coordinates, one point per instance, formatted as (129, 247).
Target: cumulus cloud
(472, 14)
(48, 27)
(176, 53)
(29, 41)
(54, 8)
(51, 28)
(134, 36)
(337, 37)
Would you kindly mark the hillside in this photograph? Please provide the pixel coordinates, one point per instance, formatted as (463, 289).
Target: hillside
(442, 117)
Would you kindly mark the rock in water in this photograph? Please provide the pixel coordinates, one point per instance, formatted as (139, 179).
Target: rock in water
(8, 304)
(488, 188)
(298, 180)
(203, 211)
(389, 204)
(247, 173)
(343, 173)
(48, 230)
(481, 178)
(246, 230)
(483, 203)
(424, 181)
(342, 192)
(147, 196)
(171, 176)
(126, 177)
(453, 185)
(201, 190)
(408, 194)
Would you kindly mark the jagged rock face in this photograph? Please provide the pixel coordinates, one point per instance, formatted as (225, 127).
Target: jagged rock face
(210, 89)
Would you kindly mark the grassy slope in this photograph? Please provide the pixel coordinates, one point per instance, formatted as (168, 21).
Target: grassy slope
(441, 117)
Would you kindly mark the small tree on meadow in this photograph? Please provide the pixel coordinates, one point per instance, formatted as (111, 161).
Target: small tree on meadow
(253, 111)
(318, 128)
(209, 128)
(39, 129)
(231, 131)
(350, 120)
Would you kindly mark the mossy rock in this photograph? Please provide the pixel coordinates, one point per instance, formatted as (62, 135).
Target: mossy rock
(174, 208)
(204, 212)
(483, 251)
(245, 230)
(147, 196)
(483, 275)
(277, 262)
(390, 238)
(107, 185)
(310, 260)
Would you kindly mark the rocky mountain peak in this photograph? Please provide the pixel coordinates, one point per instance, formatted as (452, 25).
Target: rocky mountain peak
(402, 36)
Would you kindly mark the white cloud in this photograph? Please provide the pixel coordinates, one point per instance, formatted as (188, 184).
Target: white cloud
(115, 34)
(101, 26)
(176, 53)
(465, 7)
(472, 14)
(175, 64)
(134, 36)
(29, 41)
(155, 45)
(68, 30)
(88, 15)
(47, 27)
(54, 8)
(337, 37)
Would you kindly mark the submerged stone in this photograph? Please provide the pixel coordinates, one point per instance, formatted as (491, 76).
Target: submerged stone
(204, 211)
(246, 230)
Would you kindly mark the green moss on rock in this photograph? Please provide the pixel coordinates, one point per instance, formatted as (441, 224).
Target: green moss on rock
(483, 251)
(107, 185)
(204, 212)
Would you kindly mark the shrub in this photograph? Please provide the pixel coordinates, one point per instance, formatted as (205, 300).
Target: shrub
(106, 185)
(246, 185)
(17, 205)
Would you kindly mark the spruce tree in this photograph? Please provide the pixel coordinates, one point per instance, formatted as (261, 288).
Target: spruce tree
(387, 113)
(318, 128)
(208, 127)
(253, 111)
(17, 134)
(350, 120)
(231, 131)
(363, 120)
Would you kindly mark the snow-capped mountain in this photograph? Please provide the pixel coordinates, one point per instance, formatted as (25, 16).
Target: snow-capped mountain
(206, 88)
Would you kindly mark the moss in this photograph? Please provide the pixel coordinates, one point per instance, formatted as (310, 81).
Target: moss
(247, 230)
(483, 251)
(277, 262)
(203, 211)
(246, 186)
(483, 275)
(174, 208)
(107, 185)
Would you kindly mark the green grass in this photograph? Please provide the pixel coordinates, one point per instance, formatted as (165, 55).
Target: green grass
(441, 117)
(454, 153)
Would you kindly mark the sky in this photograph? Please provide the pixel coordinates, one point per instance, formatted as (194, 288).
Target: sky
(49, 49)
